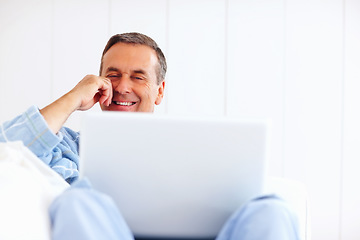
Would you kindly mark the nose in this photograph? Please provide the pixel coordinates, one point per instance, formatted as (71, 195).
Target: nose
(122, 85)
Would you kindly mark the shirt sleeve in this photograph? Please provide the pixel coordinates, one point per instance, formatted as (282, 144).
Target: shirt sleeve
(60, 151)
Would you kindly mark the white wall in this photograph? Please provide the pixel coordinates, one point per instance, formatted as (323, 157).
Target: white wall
(294, 61)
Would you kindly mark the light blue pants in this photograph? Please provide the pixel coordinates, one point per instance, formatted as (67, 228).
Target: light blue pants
(83, 213)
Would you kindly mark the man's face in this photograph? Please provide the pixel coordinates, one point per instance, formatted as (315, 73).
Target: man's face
(132, 72)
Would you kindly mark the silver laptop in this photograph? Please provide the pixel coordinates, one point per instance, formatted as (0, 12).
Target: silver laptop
(178, 177)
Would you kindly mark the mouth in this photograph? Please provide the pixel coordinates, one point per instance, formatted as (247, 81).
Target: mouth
(124, 103)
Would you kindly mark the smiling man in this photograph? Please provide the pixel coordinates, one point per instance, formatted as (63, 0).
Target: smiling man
(132, 74)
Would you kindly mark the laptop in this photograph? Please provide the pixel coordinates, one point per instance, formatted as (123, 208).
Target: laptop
(174, 177)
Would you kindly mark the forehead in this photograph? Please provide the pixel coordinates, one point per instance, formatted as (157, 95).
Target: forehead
(126, 56)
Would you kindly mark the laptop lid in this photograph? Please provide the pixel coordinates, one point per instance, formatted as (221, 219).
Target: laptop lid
(174, 176)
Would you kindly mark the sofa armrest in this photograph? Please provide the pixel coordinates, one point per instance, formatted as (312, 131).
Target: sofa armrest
(295, 194)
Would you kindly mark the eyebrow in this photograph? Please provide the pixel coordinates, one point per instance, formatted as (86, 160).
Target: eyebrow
(140, 71)
(112, 69)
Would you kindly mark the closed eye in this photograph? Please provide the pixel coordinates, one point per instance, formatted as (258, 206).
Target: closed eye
(112, 76)
(137, 77)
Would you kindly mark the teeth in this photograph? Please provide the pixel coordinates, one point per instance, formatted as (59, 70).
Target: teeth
(124, 103)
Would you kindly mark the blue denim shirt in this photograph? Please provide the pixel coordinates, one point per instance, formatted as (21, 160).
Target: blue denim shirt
(60, 151)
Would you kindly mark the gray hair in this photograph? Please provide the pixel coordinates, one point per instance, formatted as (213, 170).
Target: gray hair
(138, 38)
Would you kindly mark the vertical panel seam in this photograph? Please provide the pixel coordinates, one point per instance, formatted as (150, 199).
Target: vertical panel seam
(342, 118)
(226, 32)
(284, 89)
(52, 32)
(167, 42)
(109, 18)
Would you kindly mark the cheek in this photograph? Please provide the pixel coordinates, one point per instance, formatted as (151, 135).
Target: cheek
(149, 91)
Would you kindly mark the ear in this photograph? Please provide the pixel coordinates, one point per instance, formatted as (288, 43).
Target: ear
(160, 95)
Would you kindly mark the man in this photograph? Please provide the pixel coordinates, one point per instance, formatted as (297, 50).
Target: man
(132, 74)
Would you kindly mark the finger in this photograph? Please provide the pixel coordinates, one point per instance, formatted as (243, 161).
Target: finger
(110, 92)
(97, 97)
(105, 98)
(106, 92)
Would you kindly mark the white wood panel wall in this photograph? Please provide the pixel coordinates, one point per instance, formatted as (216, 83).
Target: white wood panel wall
(25, 55)
(350, 210)
(293, 61)
(255, 67)
(313, 106)
(196, 57)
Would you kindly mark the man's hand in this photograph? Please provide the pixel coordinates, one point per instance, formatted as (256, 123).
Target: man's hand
(90, 90)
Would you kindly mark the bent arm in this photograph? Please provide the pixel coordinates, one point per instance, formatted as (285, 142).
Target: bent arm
(58, 112)
(42, 132)
(90, 90)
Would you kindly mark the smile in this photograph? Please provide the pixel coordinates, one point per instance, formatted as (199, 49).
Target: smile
(124, 103)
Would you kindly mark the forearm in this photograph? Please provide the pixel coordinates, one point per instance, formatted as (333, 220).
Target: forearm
(59, 111)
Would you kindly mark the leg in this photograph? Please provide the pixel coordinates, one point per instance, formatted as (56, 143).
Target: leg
(83, 213)
(265, 218)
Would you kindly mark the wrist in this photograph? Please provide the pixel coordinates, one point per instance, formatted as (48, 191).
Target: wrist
(58, 112)
(70, 102)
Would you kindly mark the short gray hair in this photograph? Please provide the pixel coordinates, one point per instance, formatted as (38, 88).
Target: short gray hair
(139, 38)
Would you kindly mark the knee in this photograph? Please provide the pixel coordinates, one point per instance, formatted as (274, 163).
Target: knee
(81, 200)
(270, 210)
(84, 213)
(271, 207)
(267, 217)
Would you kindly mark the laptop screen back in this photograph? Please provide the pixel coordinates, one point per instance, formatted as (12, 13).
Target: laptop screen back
(171, 176)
